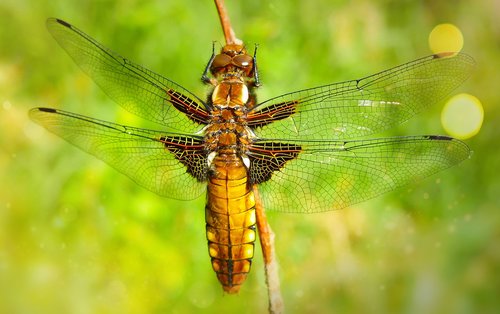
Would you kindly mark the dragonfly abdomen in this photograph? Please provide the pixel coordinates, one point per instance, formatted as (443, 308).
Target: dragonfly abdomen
(230, 221)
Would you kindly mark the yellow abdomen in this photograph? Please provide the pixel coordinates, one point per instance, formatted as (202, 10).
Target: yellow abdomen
(230, 218)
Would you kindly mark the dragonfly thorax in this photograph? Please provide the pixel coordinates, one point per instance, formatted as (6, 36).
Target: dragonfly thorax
(227, 137)
(228, 117)
(230, 93)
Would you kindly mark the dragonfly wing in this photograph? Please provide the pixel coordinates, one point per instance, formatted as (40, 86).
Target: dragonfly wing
(137, 89)
(326, 175)
(361, 107)
(169, 164)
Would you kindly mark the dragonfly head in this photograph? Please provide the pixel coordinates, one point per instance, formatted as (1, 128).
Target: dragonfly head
(233, 60)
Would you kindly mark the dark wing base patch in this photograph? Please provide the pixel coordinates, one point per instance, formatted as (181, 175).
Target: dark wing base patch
(272, 113)
(268, 157)
(188, 106)
(190, 152)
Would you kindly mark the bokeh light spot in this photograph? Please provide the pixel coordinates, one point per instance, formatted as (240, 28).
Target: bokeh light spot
(446, 37)
(462, 116)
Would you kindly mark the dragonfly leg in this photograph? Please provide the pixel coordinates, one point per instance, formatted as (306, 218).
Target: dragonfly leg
(205, 78)
(256, 81)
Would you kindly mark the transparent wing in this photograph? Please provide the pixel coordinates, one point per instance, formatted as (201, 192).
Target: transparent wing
(138, 90)
(361, 107)
(329, 175)
(138, 153)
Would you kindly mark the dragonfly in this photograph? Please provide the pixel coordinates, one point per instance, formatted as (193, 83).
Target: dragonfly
(306, 150)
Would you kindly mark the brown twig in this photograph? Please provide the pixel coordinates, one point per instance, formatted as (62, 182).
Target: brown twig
(266, 237)
(229, 35)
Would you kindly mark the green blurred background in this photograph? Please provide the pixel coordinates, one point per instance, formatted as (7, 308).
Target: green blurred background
(78, 237)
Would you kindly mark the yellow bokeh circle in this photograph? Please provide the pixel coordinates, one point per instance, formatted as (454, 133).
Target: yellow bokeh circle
(446, 38)
(462, 116)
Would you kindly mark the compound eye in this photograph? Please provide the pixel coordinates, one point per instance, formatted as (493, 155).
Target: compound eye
(221, 60)
(242, 61)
